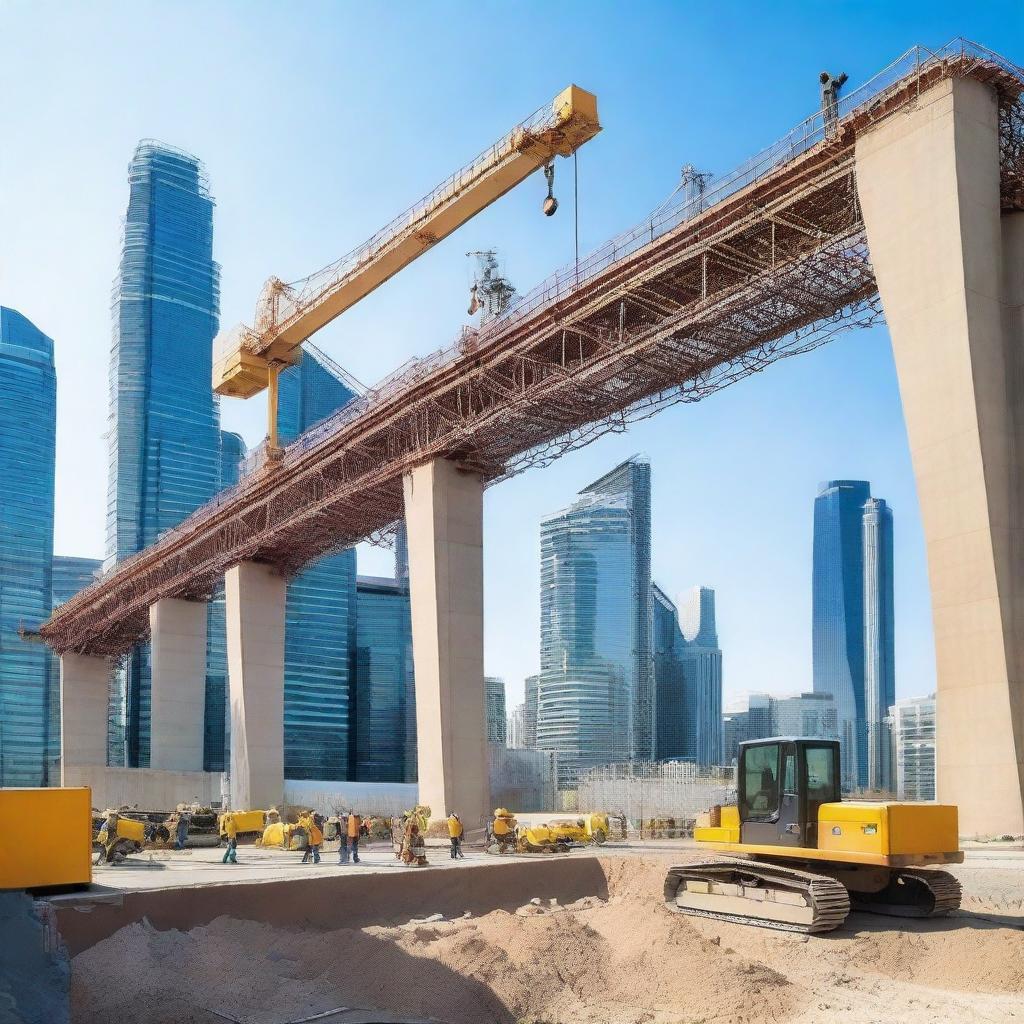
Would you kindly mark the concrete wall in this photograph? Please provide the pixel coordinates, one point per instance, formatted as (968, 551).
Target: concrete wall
(366, 798)
(444, 523)
(254, 597)
(145, 788)
(949, 267)
(178, 658)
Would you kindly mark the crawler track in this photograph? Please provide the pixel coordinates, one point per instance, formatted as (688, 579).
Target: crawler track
(912, 892)
(822, 902)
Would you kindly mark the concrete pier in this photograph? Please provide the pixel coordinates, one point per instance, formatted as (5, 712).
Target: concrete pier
(444, 522)
(254, 606)
(83, 711)
(950, 270)
(178, 659)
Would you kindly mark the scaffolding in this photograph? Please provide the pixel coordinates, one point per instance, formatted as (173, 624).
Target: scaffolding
(767, 262)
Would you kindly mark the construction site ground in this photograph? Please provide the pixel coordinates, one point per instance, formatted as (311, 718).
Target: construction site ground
(543, 939)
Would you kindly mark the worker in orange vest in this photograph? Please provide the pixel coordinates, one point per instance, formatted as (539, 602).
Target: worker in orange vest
(354, 824)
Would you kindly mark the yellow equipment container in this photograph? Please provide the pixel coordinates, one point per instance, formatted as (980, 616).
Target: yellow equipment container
(245, 821)
(66, 863)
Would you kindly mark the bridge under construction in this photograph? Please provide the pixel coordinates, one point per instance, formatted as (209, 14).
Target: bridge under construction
(908, 193)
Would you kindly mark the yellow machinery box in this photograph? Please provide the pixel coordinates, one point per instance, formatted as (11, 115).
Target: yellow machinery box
(64, 857)
(890, 829)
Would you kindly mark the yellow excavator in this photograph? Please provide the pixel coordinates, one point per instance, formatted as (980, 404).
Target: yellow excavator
(799, 857)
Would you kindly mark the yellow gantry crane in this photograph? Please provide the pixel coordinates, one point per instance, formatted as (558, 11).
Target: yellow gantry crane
(247, 360)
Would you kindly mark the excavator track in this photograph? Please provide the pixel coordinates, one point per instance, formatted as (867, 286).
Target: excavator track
(912, 892)
(754, 893)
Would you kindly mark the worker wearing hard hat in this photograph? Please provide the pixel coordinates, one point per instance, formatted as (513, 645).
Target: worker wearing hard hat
(314, 838)
(355, 823)
(231, 832)
(455, 832)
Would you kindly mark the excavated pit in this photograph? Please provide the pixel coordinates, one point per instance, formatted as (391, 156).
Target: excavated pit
(616, 956)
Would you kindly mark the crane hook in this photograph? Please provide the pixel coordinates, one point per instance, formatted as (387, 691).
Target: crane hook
(550, 203)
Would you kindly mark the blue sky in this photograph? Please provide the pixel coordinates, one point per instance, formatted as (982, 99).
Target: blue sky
(318, 122)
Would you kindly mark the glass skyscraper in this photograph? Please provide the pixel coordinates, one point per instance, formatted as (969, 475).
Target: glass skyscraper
(595, 700)
(497, 720)
(164, 433)
(28, 417)
(853, 628)
(913, 742)
(320, 610)
(688, 678)
(385, 684)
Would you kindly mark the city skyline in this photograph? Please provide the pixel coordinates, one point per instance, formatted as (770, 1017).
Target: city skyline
(426, 311)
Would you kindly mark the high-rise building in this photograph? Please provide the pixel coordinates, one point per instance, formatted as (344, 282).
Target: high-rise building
(702, 672)
(28, 418)
(532, 690)
(852, 633)
(516, 734)
(494, 699)
(756, 716)
(688, 678)
(320, 609)
(70, 575)
(913, 740)
(596, 696)
(164, 433)
(385, 686)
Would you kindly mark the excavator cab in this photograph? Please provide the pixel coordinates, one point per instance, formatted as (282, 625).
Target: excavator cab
(781, 784)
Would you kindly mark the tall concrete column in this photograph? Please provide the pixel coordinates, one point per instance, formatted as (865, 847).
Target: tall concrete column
(950, 268)
(83, 711)
(254, 604)
(178, 702)
(444, 522)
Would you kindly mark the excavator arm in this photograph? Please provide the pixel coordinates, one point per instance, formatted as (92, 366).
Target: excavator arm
(248, 359)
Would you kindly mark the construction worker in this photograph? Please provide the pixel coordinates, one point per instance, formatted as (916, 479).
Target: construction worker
(231, 831)
(504, 830)
(181, 834)
(343, 851)
(314, 838)
(455, 832)
(354, 825)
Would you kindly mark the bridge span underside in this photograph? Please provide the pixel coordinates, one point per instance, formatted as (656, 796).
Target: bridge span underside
(772, 261)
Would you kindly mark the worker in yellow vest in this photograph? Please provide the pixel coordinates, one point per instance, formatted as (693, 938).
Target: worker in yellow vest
(455, 832)
(231, 832)
(354, 825)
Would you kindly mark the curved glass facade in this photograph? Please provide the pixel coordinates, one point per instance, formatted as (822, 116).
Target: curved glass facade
(595, 700)
(28, 419)
(852, 632)
(164, 422)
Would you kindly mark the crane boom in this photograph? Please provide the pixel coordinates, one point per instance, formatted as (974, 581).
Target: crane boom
(246, 359)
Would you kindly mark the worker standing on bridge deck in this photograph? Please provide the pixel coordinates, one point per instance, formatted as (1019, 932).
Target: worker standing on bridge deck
(455, 832)
(181, 833)
(314, 838)
(354, 825)
(231, 831)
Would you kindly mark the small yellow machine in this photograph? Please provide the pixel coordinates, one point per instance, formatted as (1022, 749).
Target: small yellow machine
(800, 857)
(65, 863)
(250, 824)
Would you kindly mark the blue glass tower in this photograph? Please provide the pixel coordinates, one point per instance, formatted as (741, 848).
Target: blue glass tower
(28, 417)
(385, 691)
(595, 699)
(688, 678)
(853, 624)
(320, 610)
(164, 424)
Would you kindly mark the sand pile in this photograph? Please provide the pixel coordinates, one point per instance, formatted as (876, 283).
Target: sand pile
(624, 960)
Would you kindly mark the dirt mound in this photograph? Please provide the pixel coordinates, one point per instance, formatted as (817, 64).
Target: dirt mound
(625, 959)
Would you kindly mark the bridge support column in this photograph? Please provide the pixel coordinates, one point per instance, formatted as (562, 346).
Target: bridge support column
(178, 687)
(950, 270)
(254, 599)
(84, 680)
(444, 522)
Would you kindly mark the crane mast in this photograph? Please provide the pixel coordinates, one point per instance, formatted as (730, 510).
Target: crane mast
(247, 360)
